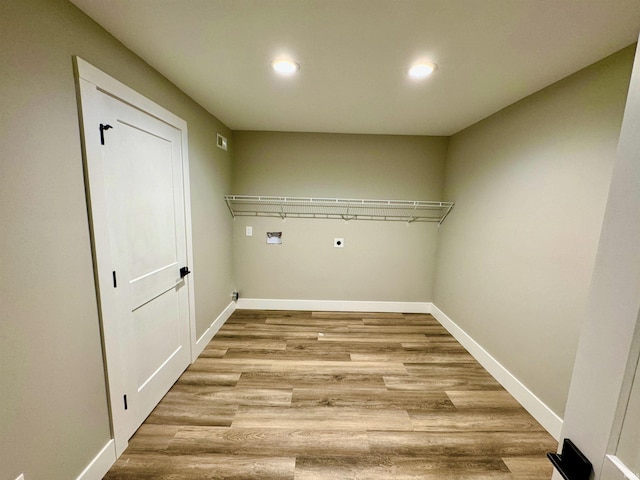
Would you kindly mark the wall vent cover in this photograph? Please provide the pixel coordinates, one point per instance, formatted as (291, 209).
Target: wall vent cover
(222, 142)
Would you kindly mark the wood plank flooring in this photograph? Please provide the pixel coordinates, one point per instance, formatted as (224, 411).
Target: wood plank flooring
(319, 395)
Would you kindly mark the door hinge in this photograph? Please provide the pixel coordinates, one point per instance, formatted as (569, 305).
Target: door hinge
(125, 403)
(103, 127)
(115, 280)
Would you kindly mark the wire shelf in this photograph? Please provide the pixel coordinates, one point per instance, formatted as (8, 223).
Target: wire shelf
(338, 208)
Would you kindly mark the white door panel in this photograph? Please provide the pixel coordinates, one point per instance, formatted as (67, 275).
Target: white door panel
(143, 188)
(157, 335)
(151, 197)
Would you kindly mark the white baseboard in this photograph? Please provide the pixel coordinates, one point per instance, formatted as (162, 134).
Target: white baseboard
(101, 464)
(539, 410)
(333, 305)
(206, 337)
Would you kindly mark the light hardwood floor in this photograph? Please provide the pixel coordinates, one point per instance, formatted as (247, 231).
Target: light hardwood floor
(319, 395)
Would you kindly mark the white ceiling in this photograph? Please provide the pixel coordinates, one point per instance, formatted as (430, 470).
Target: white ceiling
(354, 55)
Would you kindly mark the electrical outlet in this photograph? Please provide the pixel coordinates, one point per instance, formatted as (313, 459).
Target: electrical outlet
(338, 242)
(248, 231)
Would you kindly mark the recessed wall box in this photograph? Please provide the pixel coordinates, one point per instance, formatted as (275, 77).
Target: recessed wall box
(274, 238)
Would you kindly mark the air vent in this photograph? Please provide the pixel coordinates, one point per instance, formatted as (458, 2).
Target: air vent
(222, 142)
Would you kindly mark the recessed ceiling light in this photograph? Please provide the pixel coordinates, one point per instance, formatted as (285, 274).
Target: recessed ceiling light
(285, 66)
(422, 70)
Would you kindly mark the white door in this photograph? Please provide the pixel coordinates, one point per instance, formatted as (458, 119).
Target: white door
(624, 460)
(136, 167)
(142, 168)
(602, 416)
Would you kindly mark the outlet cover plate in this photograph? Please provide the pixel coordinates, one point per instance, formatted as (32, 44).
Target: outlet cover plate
(338, 242)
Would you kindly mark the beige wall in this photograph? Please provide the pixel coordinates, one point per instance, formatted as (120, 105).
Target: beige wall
(381, 261)
(515, 256)
(53, 407)
(389, 261)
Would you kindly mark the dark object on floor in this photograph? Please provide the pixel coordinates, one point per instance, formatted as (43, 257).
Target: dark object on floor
(571, 463)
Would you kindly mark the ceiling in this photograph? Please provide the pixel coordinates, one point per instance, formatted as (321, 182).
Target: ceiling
(354, 56)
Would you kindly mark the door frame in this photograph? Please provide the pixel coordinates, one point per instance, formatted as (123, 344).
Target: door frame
(90, 81)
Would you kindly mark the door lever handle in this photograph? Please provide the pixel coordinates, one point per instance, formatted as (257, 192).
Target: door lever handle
(184, 271)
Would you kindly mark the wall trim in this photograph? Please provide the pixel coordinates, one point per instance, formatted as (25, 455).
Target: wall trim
(333, 305)
(208, 334)
(100, 465)
(614, 468)
(536, 407)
